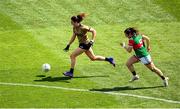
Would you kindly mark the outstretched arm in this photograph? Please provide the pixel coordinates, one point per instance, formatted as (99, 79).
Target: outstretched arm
(126, 47)
(72, 39)
(70, 42)
(147, 39)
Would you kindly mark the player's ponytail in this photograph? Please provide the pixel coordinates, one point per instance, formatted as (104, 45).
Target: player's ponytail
(131, 30)
(78, 18)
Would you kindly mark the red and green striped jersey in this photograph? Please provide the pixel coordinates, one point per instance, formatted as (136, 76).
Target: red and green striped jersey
(138, 45)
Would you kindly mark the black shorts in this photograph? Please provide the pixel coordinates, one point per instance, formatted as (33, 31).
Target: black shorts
(84, 46)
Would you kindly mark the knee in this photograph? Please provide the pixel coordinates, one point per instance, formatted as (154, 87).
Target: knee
(72, 56)
(93, 58)
(153, 69)
(128, 64)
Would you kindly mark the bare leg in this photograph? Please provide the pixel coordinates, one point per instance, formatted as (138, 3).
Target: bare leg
(130, 63)
(73, 56)
(91, 55)
(130, 66)
(153, 68)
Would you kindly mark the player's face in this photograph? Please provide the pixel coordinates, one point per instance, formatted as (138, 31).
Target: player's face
(74, 23)
(128, 35)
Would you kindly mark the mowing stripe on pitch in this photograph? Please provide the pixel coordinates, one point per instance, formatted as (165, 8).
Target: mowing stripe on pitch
(86, 90)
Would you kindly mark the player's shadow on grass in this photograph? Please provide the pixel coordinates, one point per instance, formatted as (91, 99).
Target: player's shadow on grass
(96, 76)
(53, 79)
(63, 79)
(124, 88)
(41, 76)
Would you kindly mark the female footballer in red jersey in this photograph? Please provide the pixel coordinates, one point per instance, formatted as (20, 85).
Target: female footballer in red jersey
(80, 31)
(136, 42)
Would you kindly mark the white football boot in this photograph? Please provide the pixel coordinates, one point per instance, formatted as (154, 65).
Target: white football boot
(165, 81)
(136, 77)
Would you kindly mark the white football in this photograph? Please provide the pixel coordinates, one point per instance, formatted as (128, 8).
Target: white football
(46, 67)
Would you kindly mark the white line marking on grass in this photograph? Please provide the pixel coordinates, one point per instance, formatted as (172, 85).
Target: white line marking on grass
(86, 90)
(18, 45)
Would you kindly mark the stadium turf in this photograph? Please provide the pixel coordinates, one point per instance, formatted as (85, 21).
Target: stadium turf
(33, 32)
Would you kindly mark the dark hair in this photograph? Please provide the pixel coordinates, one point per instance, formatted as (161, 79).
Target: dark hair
(131, 30)
(78, 18)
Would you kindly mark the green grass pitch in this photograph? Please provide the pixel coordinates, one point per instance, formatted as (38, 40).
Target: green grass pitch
(33, 32)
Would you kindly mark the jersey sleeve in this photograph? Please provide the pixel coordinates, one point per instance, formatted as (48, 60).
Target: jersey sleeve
(131, 42)
(86, 28)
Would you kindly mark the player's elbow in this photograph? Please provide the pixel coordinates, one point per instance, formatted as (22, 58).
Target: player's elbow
(94, 32)
(148, 39)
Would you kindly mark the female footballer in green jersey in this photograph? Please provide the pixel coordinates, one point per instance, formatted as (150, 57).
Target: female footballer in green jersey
(80, 31)
(136, 42)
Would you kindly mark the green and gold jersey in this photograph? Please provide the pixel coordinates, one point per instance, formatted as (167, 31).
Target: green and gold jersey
(81, 33)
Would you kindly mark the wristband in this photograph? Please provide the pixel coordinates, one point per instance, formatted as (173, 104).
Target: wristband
(124, 45)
